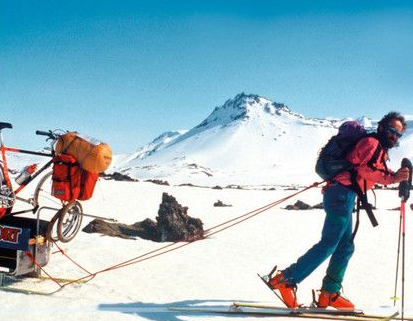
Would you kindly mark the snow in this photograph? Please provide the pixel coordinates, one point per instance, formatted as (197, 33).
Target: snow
(214, 271)
(249, 141)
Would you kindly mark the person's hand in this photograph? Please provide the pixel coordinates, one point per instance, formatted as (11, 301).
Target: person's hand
(401, 175)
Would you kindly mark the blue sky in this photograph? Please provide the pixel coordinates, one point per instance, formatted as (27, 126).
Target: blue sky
(126, 71)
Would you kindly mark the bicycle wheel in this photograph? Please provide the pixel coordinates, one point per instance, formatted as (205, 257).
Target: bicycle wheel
(42, 194)
(7, 197)
(69, 222)
(51, 233)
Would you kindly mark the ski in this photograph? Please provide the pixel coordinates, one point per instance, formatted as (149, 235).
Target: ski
(34, 281)
(26, 291)
(63, 280)
(301, 309)
(276, 312)
(305, 309)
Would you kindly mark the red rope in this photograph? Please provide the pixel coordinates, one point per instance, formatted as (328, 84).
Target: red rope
(30, 255)
(164, 249)
(237, 220)
(253, 213)
(70, 259)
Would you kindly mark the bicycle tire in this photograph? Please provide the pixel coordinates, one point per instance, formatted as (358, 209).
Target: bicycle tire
(6, 210)
(52, 235)
(70, 220)
(42, 194)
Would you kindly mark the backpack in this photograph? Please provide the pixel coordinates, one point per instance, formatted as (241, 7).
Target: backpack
(71, 182)
(332, 161)
(332, 157)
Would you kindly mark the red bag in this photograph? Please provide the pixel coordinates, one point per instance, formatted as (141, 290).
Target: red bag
(66, 178)
(87, 184)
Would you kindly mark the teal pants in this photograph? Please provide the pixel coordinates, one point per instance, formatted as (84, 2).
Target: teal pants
(336, 241)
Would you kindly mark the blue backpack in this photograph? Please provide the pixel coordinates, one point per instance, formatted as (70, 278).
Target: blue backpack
(332, 157)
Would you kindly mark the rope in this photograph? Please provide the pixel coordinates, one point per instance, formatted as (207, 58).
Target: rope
(30, 255)
(254, 213)
(172, 246)
(70, 259)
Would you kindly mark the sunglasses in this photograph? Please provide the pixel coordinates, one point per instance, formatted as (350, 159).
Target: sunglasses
(394, 131)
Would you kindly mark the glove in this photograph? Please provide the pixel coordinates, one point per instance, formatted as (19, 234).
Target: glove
(405, 186)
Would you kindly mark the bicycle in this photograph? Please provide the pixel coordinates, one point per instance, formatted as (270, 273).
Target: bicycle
(67, 220)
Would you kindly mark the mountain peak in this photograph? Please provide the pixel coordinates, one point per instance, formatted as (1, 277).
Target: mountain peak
(242, 107)
(245, 101)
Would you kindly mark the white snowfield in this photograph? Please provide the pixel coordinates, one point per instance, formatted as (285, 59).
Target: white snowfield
(249, 141)
(214, 271)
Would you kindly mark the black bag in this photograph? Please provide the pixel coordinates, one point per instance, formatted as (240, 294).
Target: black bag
(332, 157)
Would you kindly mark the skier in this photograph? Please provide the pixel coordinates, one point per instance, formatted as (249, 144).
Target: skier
(370, 155)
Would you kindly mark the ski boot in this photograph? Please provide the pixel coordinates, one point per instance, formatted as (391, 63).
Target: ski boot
(335, 300)
(286, 288)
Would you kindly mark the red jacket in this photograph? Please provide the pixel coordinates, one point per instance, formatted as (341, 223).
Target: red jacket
(373, 171)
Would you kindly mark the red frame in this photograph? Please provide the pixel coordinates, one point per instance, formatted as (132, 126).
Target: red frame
(3, 150)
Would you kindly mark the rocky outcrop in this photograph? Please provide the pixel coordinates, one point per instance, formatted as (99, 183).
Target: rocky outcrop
(118, 177)
(157, 181)
(145, 229)
(172, 224)
(219, 203)
(300, 205)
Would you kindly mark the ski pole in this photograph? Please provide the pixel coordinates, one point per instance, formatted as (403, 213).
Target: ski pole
(404, 193)
(396, 281)
(403, 252)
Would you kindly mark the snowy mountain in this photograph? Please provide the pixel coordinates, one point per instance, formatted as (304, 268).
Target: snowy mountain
(250, 140)
(152, 147)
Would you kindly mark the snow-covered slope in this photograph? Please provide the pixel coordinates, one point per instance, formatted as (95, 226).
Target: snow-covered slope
(215, 271)
(249, 140)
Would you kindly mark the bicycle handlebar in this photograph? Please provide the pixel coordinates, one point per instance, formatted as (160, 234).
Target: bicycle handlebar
(49, 134)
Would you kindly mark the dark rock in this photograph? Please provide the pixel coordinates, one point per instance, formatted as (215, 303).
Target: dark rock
(174, 224)
(234, 186)
(220, 204)
(157, 181)
(217, 187)
(207, 174)
(319, 206)
(118, 177)
(99, 226)
(145, 229)
(299, 205)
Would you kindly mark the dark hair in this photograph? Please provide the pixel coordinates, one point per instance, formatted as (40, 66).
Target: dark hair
(384, 122)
